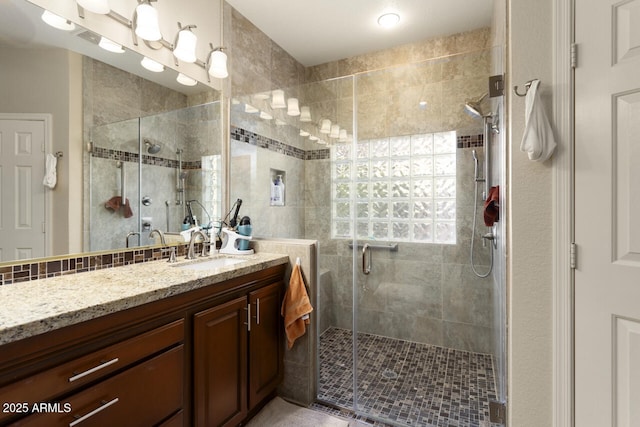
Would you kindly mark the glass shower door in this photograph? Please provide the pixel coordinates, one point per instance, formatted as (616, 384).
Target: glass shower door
(114, 185)
(424, 325)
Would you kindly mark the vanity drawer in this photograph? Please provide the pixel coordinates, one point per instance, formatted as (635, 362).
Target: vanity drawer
(69, 376)
(144, 395)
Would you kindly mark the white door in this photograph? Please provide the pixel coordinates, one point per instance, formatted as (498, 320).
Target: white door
(607, 279)
(22, 194)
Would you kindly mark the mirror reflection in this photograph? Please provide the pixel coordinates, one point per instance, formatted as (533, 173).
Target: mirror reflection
(97, 108)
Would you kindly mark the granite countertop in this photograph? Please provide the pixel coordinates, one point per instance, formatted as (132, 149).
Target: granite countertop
(39, 306)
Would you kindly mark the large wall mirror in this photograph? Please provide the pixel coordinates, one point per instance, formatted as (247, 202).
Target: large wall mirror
(136, 149)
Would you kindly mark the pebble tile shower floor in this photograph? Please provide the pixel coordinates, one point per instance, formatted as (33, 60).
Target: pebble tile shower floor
(406, 382)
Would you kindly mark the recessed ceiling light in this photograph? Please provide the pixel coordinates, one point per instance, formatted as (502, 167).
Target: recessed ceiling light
(388, 20)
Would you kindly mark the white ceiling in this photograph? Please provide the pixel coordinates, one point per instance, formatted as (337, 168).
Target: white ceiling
(319, 31)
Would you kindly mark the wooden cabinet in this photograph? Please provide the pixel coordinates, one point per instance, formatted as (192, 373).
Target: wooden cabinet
(204, 357)
(148, 372)
(266, 346)
(220, 364)
(238, 359)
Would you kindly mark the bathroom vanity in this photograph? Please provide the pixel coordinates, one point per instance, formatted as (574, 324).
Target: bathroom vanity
(146, 344)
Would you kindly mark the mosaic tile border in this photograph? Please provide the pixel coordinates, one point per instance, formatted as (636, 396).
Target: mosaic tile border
(17, 272)
(246, 136)
(468, 141)
(126, 156)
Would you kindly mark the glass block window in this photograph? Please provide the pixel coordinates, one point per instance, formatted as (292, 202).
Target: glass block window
(400, 189)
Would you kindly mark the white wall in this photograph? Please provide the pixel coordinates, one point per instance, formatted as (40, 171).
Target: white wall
(530, 220)
(47, 81)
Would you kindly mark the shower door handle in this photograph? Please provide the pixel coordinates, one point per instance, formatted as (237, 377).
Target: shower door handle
(366, 259)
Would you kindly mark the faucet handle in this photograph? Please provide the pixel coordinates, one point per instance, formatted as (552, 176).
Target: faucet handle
(205, 248)
(172, 256)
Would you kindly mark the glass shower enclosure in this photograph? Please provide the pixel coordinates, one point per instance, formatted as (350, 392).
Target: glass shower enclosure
(380, 170)
(146, 173)
(409, 335)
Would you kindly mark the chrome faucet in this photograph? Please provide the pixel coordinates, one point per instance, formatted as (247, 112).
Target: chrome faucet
(129, 234)
(192, 241)
(159, 233)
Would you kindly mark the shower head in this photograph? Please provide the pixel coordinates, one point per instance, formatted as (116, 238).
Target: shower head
(151, 147)
(473, 107)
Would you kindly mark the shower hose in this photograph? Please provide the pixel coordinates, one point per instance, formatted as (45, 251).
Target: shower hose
(473, 234)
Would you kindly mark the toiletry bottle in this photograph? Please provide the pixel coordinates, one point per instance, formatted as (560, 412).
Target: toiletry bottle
(280, 190)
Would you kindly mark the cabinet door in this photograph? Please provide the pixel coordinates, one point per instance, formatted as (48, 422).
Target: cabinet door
(220, 364)
(266, 366)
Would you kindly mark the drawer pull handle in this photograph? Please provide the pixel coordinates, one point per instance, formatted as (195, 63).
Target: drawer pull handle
(104, 406)
(248, 317)
(257, 311)
(92, 370)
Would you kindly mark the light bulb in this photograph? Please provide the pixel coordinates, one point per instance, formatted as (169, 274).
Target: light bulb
(109, 45)
(152, 65)
(57, 21)
(292, 107)
(147, 26)
(185, 49)
(277, 99)
(186, 80)
(218, 64)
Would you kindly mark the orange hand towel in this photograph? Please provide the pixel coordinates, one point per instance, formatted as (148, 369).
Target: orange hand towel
(115, 203)
(295, 307)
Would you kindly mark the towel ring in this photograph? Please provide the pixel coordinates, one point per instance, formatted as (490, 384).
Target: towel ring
(527, 85)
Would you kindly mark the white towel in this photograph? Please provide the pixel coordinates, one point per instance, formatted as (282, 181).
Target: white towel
(538, 141)
(50, 177)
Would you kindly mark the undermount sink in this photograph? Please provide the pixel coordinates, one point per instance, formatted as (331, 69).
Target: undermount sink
(211, 263)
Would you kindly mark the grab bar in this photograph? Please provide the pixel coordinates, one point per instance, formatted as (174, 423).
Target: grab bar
(392, 247)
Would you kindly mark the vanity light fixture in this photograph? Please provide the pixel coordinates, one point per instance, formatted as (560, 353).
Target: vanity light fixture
(101, 7)
(325, 126)
(388, 20)
(145, 21)
(217, 65)
(185, 46)
(250, 109)
(57, 21)
(335, 131)
(277, 99)
(292, 107)
(305, 114)
(109, 45)
(343, 137)
(152, 65)
(186, 80)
